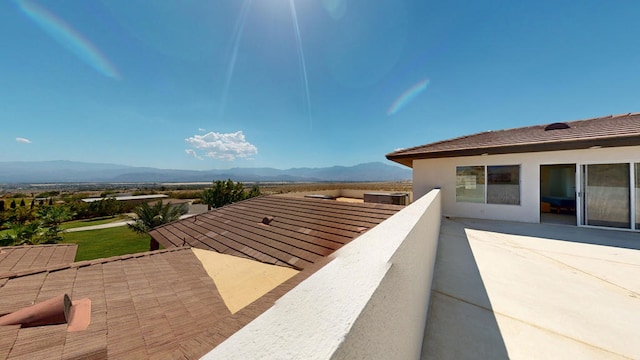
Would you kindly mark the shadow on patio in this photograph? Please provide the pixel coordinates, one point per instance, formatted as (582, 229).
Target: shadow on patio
(461, 323)
(607, 237)
(518, 290)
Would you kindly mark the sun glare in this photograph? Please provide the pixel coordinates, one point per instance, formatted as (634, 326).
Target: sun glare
(236, 39)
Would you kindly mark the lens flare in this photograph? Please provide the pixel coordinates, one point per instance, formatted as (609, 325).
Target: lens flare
(237, 35)
(303, 66)
(68, 37)
(336, 8)
(407, 96)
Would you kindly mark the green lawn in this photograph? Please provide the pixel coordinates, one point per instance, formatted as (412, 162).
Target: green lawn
(94, 221)
(85, 222)
(95, 244)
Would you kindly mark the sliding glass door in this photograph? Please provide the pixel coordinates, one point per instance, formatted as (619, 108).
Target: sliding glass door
(637, 195)
(607, 195)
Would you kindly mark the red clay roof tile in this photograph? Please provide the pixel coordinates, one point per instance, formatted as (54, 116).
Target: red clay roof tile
(15, 259)
(142, 306)
(301, 231)
(612, 130)
(162, 304)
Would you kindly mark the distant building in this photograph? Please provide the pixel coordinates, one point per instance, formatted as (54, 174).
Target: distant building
(135, 199)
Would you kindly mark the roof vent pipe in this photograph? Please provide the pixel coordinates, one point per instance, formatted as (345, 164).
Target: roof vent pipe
(50, 312)
(267, 220)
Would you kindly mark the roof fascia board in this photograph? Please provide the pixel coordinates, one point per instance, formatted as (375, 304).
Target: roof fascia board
(407, 159)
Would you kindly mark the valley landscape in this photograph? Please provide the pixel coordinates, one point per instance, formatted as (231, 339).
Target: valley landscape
(30, 179)
(86, 198)
(46, 172)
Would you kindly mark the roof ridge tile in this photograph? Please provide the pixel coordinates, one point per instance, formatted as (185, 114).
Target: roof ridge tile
(36, 246)
(85, 263)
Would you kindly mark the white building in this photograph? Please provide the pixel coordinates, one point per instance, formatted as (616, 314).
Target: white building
(583, 172)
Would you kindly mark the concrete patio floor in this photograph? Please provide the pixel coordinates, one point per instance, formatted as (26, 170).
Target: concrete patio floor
(522, 291)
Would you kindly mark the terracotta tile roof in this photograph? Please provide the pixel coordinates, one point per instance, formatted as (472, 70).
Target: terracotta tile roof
(147, 305)
(15, 259)
(204, 342)
(302, 231)
(154, 305)
(162, 304)
(613, 130)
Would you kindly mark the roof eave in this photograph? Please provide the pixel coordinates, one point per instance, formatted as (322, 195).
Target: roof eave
(401, 159)
(407, 159)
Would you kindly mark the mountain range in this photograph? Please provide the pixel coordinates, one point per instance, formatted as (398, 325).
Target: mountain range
(62, 171)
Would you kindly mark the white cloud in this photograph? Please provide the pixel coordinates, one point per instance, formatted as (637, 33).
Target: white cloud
(23, 140)
(193, 153)
(221, 146)
(398, 149)
(201, 130)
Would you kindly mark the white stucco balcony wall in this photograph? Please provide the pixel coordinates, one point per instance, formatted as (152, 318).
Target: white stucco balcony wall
(370, 301)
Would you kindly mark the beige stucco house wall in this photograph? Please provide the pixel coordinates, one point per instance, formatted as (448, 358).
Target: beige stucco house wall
(441, 173)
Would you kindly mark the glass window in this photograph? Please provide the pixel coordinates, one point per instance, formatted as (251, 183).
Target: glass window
(470, 184)
(503, 184)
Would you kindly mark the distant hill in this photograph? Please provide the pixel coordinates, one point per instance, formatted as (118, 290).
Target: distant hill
(71, 171)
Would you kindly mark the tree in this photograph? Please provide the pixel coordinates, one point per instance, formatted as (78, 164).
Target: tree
(208, 197)
(79, 208)
(13, 204)
(4, 216)
(22, 203)
(53, 217)
(255, 191)
(149, 217)
(47, 194)
(23, 215)
(110, 207)
(24, 234)
(27, 225)
(224, 193)
(104, 207)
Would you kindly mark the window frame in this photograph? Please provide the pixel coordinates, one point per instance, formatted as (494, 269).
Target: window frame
(464, 171)
(461, 169)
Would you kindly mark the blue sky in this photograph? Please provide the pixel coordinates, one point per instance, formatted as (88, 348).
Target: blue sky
(299, 83)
